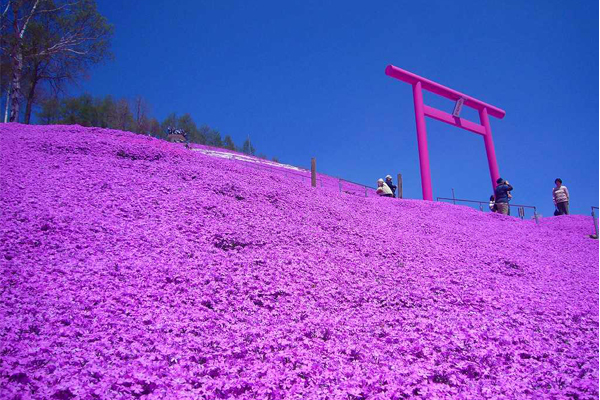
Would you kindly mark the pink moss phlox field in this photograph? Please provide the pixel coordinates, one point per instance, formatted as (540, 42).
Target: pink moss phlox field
(133, 268)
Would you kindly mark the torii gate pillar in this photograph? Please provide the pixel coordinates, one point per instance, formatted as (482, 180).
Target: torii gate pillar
(421, 111)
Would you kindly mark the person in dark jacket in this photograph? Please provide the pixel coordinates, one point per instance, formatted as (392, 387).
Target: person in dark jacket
(388, 181)
(501, 194)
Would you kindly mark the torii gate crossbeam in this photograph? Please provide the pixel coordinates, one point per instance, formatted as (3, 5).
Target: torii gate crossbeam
(421, 111)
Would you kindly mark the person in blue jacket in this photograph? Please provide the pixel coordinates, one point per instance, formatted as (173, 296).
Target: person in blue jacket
(388, 181)
(502, 195)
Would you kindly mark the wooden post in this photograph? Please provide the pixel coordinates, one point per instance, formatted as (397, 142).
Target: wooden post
(399, 186)
(313, 172)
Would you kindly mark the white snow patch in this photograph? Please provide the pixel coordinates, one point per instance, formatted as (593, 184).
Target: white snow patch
(243, 157)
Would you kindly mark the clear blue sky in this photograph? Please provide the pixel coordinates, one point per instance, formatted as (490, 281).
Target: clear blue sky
(306, 79)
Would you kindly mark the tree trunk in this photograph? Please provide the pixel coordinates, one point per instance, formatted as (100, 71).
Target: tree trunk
(17, 61)
(7, 103)
(31, 96)
(16, 86)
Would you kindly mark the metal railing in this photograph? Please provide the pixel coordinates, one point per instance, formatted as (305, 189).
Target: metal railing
(520, 207)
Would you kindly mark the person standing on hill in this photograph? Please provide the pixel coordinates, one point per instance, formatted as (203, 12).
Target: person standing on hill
(560, 194)
(383, 189)
(388, 181)
(493, 204)
(501, 194)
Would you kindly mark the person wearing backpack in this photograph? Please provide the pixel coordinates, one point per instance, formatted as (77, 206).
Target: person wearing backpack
(560, 195)
(501, 194)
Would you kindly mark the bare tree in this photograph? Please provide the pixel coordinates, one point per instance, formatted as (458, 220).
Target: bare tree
(5, 87)
(141, 110)
(124, 118)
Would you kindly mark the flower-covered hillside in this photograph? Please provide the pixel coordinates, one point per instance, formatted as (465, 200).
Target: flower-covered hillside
(132, 268)
(290, 172)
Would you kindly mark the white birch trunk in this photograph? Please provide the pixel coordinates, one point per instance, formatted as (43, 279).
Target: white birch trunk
(6, 107)
(17, 60)
(15, 94)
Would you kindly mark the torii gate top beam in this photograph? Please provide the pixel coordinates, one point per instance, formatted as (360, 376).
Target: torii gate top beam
(442, 90)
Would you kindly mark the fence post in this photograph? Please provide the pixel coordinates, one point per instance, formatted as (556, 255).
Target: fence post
(521, 212)
(340, 184)
(399, 186)
(480, 207)
(453, 197)
(595, 222)
(313, 172)
(535, 216)
(366, 194)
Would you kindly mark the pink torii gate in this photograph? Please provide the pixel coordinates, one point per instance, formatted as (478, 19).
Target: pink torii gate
(421, 111)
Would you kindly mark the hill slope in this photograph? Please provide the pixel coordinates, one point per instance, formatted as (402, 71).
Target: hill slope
(132, 268)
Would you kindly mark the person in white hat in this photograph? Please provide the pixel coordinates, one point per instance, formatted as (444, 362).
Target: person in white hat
(383, 189)
(388, 181)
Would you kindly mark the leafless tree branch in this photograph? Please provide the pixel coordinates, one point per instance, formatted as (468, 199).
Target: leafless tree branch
(37, 2)
(6, 9)
(58, 8)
